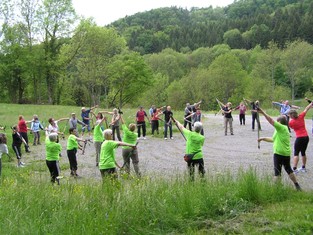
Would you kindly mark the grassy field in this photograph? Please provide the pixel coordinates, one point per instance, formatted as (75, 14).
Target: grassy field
(217, 204)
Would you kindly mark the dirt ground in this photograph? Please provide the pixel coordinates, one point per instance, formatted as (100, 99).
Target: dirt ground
(221, 153)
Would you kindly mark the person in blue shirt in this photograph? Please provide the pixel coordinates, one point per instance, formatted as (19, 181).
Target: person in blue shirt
(35, 127)
(86, 119)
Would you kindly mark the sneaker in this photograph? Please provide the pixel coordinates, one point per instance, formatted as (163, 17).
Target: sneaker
(144, 138)
(172, 138)
(296, 171)
(138, 138)
(165, 138)
(22, 163)
(303, 170)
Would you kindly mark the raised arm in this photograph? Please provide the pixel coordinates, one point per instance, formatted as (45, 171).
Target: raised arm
(307, 108)
(63, 119)
(268, 118)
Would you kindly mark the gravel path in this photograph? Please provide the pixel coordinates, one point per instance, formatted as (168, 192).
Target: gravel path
(222, 153)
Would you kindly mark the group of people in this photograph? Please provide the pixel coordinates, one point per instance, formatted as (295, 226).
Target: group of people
(105, 142)
(289, 118)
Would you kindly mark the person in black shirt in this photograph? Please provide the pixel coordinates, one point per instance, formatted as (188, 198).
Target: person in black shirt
(167, 121)
(228, 118)
(254, 112)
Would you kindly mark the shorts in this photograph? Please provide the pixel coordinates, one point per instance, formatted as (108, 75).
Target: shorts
(301, 145)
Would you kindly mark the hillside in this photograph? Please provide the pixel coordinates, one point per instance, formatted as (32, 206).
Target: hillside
(242, 25)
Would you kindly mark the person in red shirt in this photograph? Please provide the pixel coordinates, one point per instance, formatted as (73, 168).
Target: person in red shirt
(22, 130)
(297, 123)
(140, 120)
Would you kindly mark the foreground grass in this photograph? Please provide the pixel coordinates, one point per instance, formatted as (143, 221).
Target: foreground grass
(215, 205)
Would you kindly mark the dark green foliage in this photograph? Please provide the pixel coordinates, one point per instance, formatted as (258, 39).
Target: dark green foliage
(258, 22)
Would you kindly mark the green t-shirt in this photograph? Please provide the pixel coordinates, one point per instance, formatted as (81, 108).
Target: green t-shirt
(281, 140)
(72, 142)
(53, 150)
(107, 155)
(129, 137)
(97, 134)
(194, 143)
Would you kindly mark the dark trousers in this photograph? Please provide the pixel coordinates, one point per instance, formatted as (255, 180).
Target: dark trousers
(143, 126)
(71, 154)
(242, 119)
(191, 166)
(25, 137)
(17, 151)
(110, 173)
(255, 117)
(54, 169)
(155, 126)
(168, 126)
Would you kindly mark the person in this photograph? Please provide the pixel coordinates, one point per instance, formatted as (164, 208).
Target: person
(242, 113)
(228, 118)
(194, 145)
(115, 124)
(22, 129)
(107, 163)
(35, 128)
(73, 121)
(54, 127)
(140, 120)
(189, 109)
(71, 149)
(254, 112)
(155, 120)
(196, 117)
(167, 122)
(151, 110)
(53, 152)
(281, 147)
(86, 119)
(17, 141)
(3, 148)
(98, 136)
(128, 153)
(187, 116)
(284, 109)
(297, 123)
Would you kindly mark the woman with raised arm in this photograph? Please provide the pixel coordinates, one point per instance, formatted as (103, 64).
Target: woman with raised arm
(281, 147)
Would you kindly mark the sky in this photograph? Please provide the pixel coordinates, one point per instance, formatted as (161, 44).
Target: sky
(105, 12)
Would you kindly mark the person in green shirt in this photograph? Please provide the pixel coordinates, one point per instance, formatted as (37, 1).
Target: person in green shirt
(72, 146)
(194, 145)
(281, 147)
(107, 163)
(53, 152)
(130, 137)
(98, 136)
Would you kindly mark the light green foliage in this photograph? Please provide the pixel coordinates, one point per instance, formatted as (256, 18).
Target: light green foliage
(297, 58)
(129, 76)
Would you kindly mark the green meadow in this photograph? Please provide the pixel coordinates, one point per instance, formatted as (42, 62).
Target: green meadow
(216, 204)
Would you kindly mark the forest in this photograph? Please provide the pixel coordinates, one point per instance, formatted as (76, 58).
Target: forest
(256, 49)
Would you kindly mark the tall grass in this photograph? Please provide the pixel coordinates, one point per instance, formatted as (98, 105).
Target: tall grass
(147, 206)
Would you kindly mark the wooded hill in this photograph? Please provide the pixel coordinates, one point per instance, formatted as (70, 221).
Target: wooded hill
(242, 25)
(254, 49)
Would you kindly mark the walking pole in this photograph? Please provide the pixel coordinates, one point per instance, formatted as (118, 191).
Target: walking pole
(178, 128)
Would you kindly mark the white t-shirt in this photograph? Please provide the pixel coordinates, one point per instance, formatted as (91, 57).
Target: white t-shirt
(3, 149)
(54, 128)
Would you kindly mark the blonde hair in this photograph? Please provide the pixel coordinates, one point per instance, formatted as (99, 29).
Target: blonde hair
(107, 133)
(132, 127)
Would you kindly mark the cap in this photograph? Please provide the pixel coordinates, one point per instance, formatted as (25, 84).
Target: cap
(72, 113)
(83, 108)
